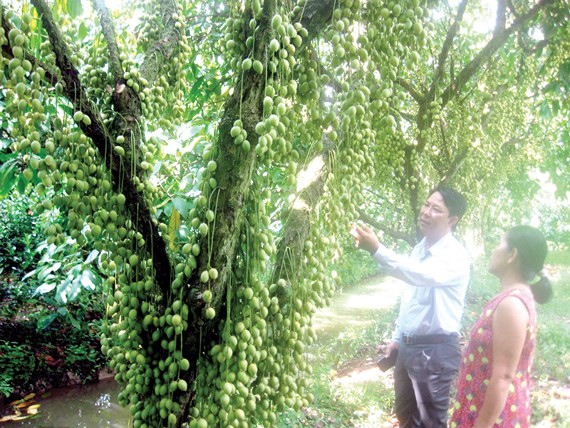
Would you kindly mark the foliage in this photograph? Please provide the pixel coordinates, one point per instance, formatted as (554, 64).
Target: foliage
(204, 160)
(353, 268)
(554, 332)
(58, 354)
(67, 274)
(19, 233)
(17, 366)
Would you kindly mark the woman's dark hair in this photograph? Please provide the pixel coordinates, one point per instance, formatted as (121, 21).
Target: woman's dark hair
(531, 249)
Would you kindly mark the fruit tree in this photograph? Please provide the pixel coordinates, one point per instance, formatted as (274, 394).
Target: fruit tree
(206, 158)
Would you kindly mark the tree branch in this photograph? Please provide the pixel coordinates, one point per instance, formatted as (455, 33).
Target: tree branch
(166, 44)
(108, 29)
(316, 15)
(418, 97)
(501, 19)
(389, 231)
(96, 131)
(443, 55)
(455, 165)
(297, 219)
(494, 44)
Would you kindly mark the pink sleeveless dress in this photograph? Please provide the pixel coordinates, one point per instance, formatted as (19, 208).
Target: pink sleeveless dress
(475, 370)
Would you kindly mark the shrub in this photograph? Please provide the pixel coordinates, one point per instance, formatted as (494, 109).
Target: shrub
(17, 364)
(19, 234)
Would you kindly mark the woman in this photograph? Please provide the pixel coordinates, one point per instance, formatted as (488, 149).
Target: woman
(493, 387)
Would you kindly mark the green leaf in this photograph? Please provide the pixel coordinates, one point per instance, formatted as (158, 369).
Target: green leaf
(22, 183)
(44, 272)
(36, 27)
(69, 288)
(88, 279)
(73, 321)
(67, 109)
(92, 256)
(82, 31)
(44, 288)
(545, 110)
(74, 8)
(46, 321)
(183, 205)
(8, 176)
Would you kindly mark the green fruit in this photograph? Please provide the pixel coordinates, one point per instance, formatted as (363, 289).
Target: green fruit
(182, 385)
(246, 65)
(276, 21)
(257, 66)
(235, 131)
(195, 249)
(28, 174)
(274, 45)
(36, 147)
(184, 364)
(78, 116)
(133, 260)
(176, 320)
(203, 228)
(210, 313)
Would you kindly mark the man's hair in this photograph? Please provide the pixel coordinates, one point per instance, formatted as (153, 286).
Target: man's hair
(454, 201)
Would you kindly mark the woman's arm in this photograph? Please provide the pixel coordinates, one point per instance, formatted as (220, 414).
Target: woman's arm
(510, 322)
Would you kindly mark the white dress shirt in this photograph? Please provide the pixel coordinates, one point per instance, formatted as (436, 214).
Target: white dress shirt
(433, 300)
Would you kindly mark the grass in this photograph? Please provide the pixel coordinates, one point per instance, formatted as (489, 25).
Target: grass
(365, 403)
(551, 396)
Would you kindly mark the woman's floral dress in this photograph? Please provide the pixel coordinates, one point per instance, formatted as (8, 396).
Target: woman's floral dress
(475, 370)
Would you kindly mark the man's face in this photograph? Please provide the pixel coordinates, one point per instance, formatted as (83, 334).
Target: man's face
(435, 221)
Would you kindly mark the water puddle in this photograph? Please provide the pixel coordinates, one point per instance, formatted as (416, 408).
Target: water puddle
(85, 406)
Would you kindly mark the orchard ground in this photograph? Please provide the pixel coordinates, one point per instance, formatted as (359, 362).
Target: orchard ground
(350, 390)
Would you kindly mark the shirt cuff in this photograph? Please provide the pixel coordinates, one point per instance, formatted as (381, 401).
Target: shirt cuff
(381, 253)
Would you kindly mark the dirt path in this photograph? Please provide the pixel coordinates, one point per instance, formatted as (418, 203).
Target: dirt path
(340, 329)
(358, 306)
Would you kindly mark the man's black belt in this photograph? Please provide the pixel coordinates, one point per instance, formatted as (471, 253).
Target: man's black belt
(428, 339)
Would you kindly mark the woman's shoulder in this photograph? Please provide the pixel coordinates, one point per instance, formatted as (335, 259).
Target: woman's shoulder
(513, 296)
(515, 303)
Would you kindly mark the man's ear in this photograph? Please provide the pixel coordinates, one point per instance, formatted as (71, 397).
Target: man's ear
(453, 219)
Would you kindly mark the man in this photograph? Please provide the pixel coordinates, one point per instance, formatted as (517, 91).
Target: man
(431, 307)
